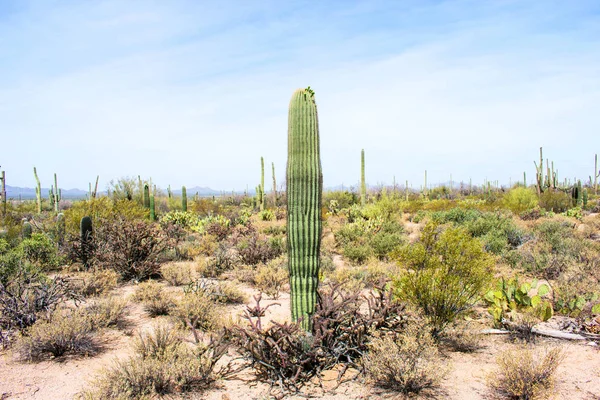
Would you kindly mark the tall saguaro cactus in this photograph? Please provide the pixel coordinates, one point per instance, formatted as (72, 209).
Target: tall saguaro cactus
(86, 231)
(3, 192)
(57, 194)
(596, 174)
(304, 197)
(183, 198)
(274, 185)
(38, 191)
(146, 196)
(152, 209)
(363, 185)
(262, 183)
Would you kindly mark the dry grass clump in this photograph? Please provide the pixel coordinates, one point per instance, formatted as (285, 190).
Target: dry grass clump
(462, 338)
(107, 312)
(162, 365)
(198, 312)
(219, 292)
(99, 282)
(272, 277)
(177, 273)
(153, 298)
(524, 374)
(408, 362)
(63, 334)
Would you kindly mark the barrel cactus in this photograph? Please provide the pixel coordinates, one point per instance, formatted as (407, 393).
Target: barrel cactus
(304, 197)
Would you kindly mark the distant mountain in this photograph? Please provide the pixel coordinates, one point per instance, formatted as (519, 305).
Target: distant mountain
(15, 192)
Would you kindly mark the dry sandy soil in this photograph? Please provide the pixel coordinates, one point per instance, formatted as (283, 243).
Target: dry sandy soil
(579, 374)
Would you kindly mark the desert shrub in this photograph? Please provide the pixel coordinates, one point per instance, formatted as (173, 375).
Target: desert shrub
(11, 262)
(159, 342)
(344, 199)
(448, 270)
(275, 230)
(183, 219)
(383, 243)
(29, 296)
(555, 201)
(287, 356)
(131, 248)
(267, 215)
(461, 337)
(498, 232)
(196, 310)
(154, 299)
(208, 245)
(224, 259)
(219, 292)
(357, 254)
(40, 251)
(102, 209)
(59, 336)
(457, 215)
(520, 200)
(524, 374)
(407, 362)
(177, 273)
(160, 367)
(271, 278)
(348, 234)
(106, 312)
(254, 250)
(98, 282)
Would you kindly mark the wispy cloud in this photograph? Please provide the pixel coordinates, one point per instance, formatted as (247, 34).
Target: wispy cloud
(195, 92)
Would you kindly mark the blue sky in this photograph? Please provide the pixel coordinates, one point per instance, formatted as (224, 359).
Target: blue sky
(195, 92)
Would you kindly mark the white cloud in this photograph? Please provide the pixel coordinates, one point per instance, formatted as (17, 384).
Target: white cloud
(192, 95)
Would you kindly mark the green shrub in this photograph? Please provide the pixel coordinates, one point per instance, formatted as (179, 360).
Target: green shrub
(520, 199)
(447, 272)
(40, 251)
(184, 219)
(357, 254)
(271, 278)
(102, 209)
(267, 215)
(555, 200)
(383, 243)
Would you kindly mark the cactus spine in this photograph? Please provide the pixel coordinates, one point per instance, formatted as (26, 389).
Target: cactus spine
(304, 197)
(363, 185)
(274, 185)
(152, 209)
(183, 198)
(38, 191)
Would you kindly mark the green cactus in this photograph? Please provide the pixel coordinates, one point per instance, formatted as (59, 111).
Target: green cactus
(169, 193)
(425, 194)
(274, 185)
(304, 196)
(510, 297)
(86, 231)
(262, 184)
(27, 230)
(60, 228)
(57, 194)
(152, 209)
(38, 191)
(3, 192)
(524, 179)
(539, 175)
(585, 198)
(183, 198)
(596, 174)
(363, 185)
(146, 196)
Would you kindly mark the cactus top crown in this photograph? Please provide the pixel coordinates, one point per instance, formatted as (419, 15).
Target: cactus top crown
(308, 93)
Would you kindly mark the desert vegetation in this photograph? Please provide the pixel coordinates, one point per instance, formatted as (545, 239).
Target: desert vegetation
(371, 291)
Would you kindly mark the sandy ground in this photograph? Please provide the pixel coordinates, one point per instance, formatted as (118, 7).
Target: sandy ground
(578, 376)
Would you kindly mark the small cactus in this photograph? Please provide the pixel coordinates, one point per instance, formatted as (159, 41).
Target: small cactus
(183, 198)
(27, 230)
(152, 210)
